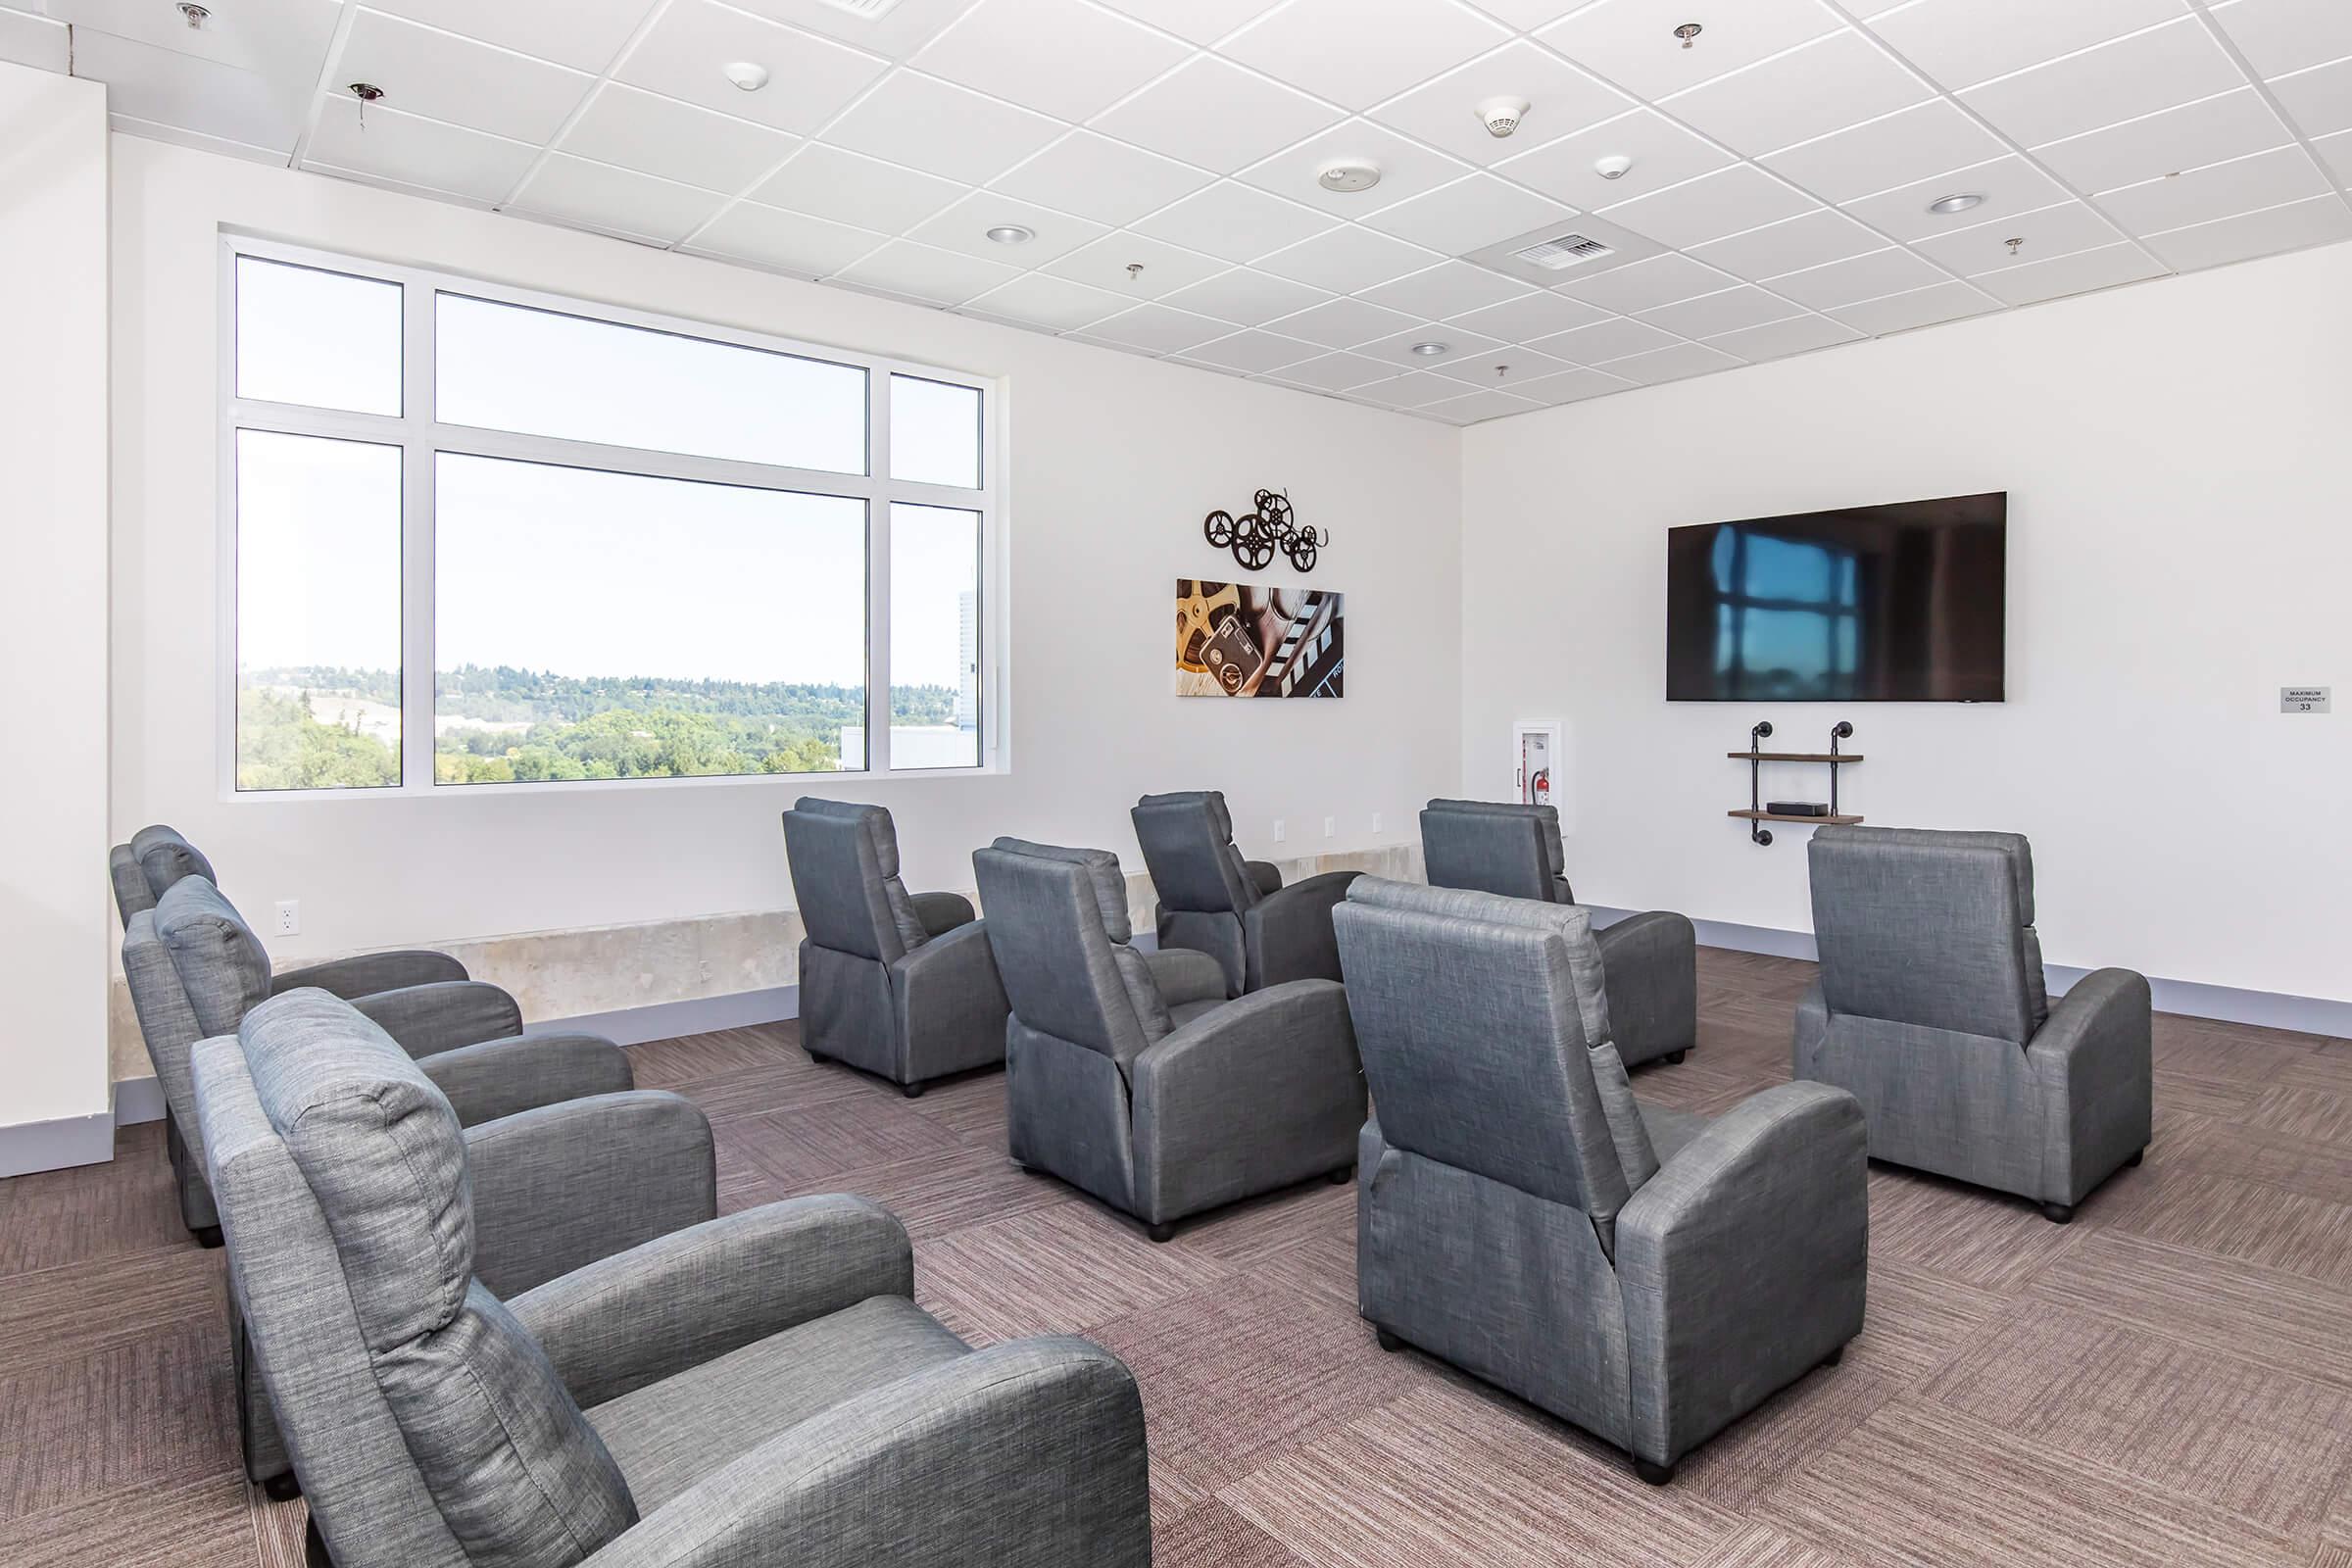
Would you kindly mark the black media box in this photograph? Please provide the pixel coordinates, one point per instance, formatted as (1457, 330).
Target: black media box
(1796, 808)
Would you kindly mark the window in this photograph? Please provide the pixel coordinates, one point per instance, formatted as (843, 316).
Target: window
(482, 537)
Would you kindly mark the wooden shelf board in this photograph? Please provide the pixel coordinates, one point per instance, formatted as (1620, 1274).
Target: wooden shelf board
(1810, 821)
(1794, 757)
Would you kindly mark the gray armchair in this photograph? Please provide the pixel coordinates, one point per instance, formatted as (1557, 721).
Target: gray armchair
(1516, 852)
(156, 857)
(1647, 1274)
(1930, 1007)
(758, 1392)
(1131, 1075)
(195, 968)
(1237, 911)
(898, 984)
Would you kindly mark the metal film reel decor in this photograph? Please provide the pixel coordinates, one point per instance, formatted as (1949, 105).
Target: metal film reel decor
(1255, 535)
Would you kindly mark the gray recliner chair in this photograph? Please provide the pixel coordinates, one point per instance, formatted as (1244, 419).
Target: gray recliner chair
(758, 1392)
(1237, 911)
(1930, 1007)
(156, 857)
(1132, 1076)
(1648, 1274)
(195, 968)
(895, 983)
(1515, 851)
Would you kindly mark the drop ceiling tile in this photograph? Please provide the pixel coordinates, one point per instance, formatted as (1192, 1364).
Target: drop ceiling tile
(1531, 316)
(1037, 299)
(2008, 185)
(1155, 329)
(35, 41)
(1644, 284)
(2276, 36)
(1474, 407)
(1099, 178)
(2319, 98)
(1571, 386)
(1814, 89)
(1663, 153)
(810, 79)
(1214, 114)
(843, 187)
(1468, 214)
(2054, 231)
(965, 228)
(1406, 170)
(1529, 15)
(1862, 277)
(1450, 288)
(1631, 42)
(2078, 273)
(443, 77)
(2208, 131)
(1249, 298)
(1201, 20)
(1519, 366)
(1165, 267)
(1336, 372)
(281, 41)
(1462, 348)
(1605, 342)
(632, 128)
(940, 128)
(191, 93)
(1356, 53)
(1560, 99)
(1346, 260)
(1812, 239)
(1674, 364)
(901, 30)
(197, 141)
(1237, 222)
(1900, 313)
(1713, 314)
(1963, 42)
(1253, 352)
(584, 34)
(2323, 222)
(2220, 190)
(927, 272)
(411, 151)
(1906, 146)
(1342, 323)
(1777, 340)
(619, 201)
(1061, 57)
(790, 242)
(1413, 390)
(2159, 68)
(2337, 153)
(1712, 207)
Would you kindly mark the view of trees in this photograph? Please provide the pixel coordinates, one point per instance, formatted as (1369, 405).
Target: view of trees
(323, 728)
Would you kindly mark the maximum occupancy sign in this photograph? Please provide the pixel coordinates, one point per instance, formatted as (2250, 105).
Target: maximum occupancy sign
(1269, 525)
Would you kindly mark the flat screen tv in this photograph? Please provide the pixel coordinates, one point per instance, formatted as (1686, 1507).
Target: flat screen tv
(1898, 603)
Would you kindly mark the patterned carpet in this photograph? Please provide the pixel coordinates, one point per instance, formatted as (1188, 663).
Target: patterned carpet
(2166, 1382)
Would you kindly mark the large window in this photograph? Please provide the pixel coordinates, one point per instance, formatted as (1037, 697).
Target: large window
(481, 538)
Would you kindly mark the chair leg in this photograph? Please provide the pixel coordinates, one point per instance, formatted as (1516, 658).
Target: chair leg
(913, 1091)
(1657, 1475)
(1339, 1177)
(1162, 1232)
(1674, 1058)
(207, 1236)
(1388, 1341)
(1835, 1357)
(817, 1058)
(2138, 1155)
(313, 1548)
(2058, 1213)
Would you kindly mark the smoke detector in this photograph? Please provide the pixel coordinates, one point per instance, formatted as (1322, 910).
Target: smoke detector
(1501, 115)
(1348, 175)
(1614, 166)
(1959, 202)
(747, 74)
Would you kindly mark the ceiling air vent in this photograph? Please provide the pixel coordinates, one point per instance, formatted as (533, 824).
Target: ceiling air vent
(870, 10)
(1566, 251)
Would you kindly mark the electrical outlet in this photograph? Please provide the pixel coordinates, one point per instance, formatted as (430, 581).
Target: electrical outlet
(1375, 821)
(289, 917)
(1278, 830)
(1330, 827)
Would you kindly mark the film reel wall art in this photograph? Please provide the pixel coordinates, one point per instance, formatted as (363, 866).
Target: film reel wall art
(1247, 640)
(1270, 526)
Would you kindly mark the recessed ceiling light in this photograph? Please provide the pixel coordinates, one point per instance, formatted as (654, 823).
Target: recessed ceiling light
(1430, 351)
(1947, 205)
(1348, 175)
(1011, 234)
(749, 74)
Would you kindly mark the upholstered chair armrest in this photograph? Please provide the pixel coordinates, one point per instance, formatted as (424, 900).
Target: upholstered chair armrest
(1288, 935)
(949, 992)
(658, 1310)
(372, 972)
(1264, 876)
(443, 1014)
(2103, 1027)
(1742, 1261)
(559, 1187)
(1186, 975)
(500, 1077)
(2094, 1061)
(1024, 1453)
(1650, 966)
(941, 913)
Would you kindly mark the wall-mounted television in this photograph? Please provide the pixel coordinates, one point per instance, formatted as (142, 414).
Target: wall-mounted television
(1896, 603)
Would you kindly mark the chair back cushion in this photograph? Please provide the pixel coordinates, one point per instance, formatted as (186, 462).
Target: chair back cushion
(165, 855)
(1187, 839)
(220, 963)
(516, 1472)
(1058, 923)
(1495, 847)
(845, 873)
(1930, 929)
(1478, 1016)
(129, 883)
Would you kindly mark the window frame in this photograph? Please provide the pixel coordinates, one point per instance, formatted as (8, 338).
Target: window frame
(421, 437)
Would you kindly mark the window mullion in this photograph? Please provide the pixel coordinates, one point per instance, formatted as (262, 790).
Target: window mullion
(877, 571)
(416, 685)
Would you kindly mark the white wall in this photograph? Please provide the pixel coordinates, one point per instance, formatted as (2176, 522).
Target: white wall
(54, 920)
(1114, 461)
(2179, 463)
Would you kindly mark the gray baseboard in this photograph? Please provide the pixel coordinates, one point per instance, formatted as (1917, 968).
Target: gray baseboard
(667, 1020)
(55, 1145)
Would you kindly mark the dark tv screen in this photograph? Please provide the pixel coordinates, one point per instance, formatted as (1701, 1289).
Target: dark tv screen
(1898, 603)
